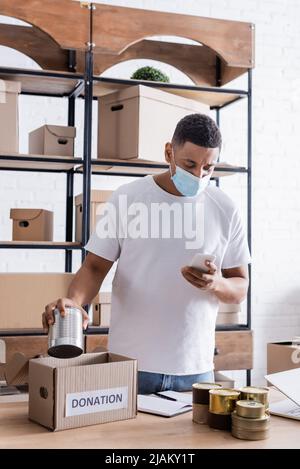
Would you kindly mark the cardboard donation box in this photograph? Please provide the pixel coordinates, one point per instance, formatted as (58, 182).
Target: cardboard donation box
(137, 121)
(282, 356)
(102, 310)
(91, 389)
(98, 199)
(9, 116)
(55, 140)
(31, 224)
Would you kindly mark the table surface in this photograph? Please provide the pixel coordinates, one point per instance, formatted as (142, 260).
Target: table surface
(146, 431)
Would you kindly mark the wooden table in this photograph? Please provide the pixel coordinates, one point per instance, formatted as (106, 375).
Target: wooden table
(146, 431)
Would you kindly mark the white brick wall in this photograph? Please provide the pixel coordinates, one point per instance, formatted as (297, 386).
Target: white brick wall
(276, 162)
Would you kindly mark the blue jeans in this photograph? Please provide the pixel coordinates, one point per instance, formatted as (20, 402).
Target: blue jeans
(154, 382)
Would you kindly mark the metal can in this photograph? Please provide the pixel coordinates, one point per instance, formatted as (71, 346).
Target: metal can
(258, 394)
(201, 400)
(222, 401)
(250, 409)
(65, 337)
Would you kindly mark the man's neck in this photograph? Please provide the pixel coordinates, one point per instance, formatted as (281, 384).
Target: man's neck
(164, 181)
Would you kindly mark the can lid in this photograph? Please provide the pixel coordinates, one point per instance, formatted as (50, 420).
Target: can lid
(253, 389)
(250, 404)
(224, 392)
(206, 386)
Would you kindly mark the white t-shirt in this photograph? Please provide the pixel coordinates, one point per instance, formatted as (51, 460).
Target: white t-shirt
(158, 317)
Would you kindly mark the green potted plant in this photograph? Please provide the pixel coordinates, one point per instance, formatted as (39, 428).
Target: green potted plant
(151, 74)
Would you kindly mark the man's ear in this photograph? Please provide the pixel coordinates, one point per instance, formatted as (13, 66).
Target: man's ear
(168, 152)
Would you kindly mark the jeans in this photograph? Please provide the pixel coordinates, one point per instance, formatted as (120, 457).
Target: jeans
(154, 382)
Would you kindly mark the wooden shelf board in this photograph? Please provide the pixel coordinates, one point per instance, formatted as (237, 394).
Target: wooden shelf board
(8, 161)
(206, 97)
(61, 85)
(112, 166)
(57, 244)
(42, 84)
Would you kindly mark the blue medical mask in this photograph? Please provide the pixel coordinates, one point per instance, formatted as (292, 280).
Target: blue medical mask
(188, 184)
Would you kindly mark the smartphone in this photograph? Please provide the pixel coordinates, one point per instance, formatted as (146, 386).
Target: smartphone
(198, 261)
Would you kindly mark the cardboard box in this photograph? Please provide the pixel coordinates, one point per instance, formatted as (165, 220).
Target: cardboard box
(137, 121)
(228, 313)
(229, 308)
(98, 199)
(94, 341)
(224, 380)
(2, 351)
(30, 224)
(101, 315)
(282, 356)
(102, 310)
(9, 113)
(25, 295)
(90, 389)
(16, 370)
(228, 318)
(29, 345)
(55, 140)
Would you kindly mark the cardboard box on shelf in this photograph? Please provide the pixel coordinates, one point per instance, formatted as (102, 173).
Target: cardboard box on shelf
(55, 140)
(2, 351)
(90, 389)
(228, 318)
(137, 121)
(30, 224)
(16, 370)
(94, 341)
(224, 380)
(28, 345)
(229, 308)
(282, 356)
(101, 315)
(228, 313)
(102, 310)
(9, 114)
(98, 199)
(24, 296)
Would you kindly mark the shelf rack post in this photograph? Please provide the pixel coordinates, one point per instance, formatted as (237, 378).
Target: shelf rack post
(70, 174)
(87, 140)
(249, 198)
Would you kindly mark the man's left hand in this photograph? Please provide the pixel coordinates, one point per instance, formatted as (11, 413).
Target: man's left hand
(208, 281)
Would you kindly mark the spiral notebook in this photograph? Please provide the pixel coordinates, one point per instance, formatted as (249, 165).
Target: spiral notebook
(165, 403)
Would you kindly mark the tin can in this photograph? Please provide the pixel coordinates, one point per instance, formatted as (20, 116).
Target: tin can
(65, 337)
(250, 428)
(258, 394)
(201, 401)
(222, 401)
(250, 409)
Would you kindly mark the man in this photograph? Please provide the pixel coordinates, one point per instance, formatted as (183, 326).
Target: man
(163, 311)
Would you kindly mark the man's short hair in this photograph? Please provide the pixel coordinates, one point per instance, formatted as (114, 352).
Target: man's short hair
(199, 129)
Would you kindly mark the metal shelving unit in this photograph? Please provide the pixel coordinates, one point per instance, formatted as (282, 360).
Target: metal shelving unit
(86, 53)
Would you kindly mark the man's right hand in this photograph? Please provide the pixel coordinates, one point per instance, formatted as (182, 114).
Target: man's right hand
(61, 304)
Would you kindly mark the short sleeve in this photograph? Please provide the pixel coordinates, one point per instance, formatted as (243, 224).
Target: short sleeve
(237, 249)
(104, 241)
